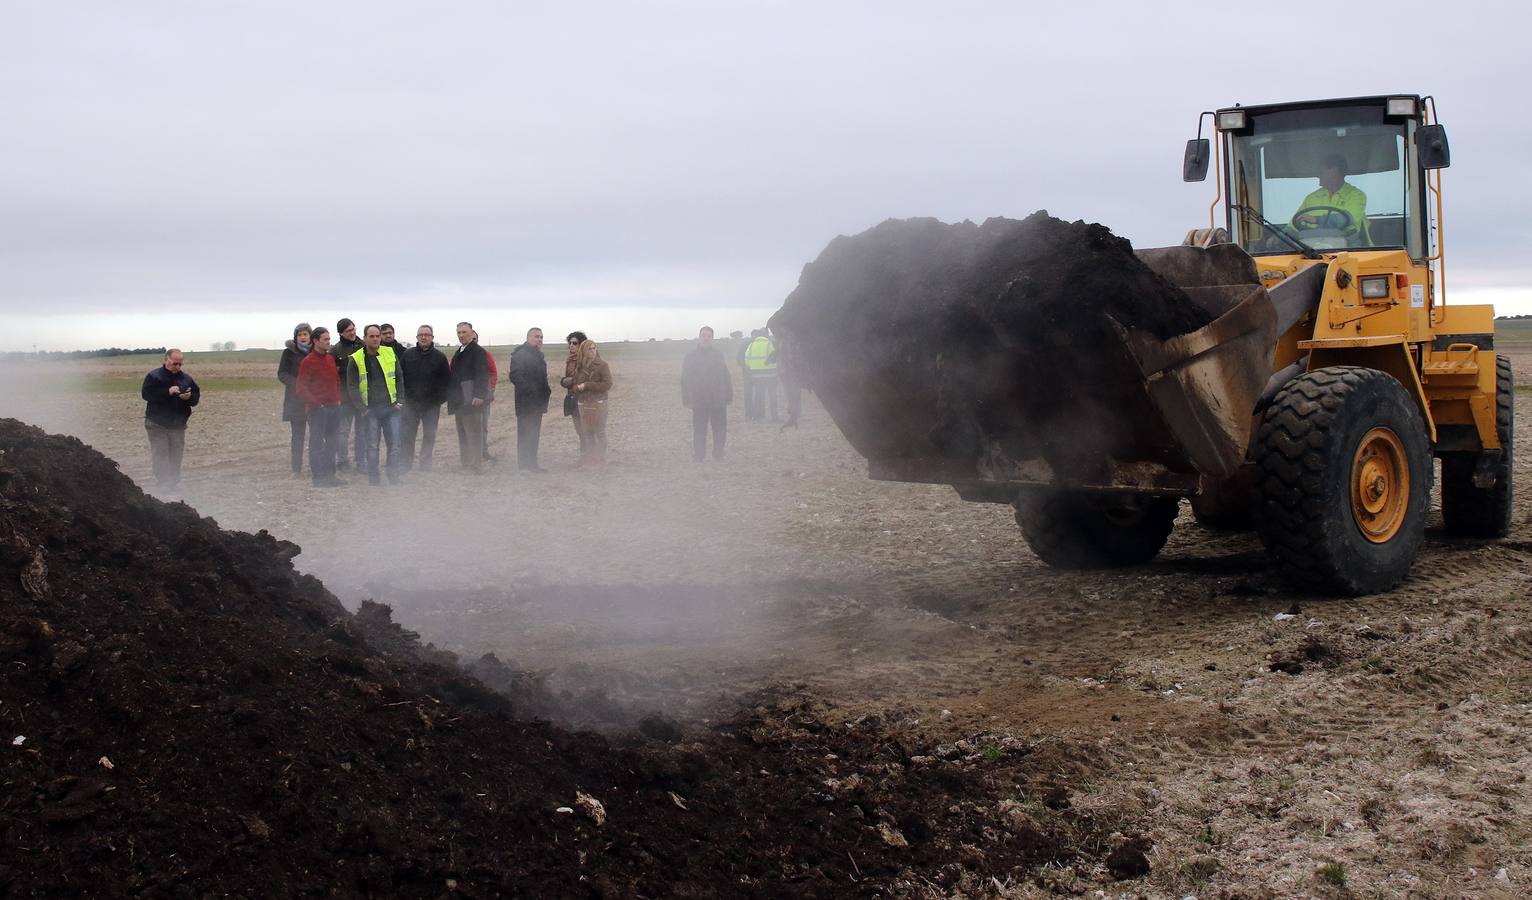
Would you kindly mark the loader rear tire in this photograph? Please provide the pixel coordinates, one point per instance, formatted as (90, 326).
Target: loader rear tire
(1080, 530)
(1483, 512)
(1345, 479)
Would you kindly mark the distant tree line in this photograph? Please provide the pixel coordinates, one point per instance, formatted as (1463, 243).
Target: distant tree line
(82, 354)
(1513, 318)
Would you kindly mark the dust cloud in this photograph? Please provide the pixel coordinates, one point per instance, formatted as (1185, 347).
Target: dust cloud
(654, 585)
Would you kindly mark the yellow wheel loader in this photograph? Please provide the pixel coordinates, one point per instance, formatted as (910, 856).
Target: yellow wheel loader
(1371, 373)
(1311, 406)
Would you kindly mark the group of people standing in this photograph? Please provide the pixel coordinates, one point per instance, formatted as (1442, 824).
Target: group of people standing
(371, 393)
(359, 393)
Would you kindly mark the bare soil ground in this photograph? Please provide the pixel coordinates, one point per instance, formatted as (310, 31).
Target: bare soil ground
(1251, 740)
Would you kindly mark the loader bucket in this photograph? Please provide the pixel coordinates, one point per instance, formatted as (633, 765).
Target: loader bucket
(1205, 384)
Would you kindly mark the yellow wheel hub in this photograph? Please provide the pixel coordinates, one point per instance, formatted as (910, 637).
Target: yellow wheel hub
(1380, 485)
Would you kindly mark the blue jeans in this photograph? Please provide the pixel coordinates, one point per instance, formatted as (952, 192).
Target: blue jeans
(324, 436)
(383, 420)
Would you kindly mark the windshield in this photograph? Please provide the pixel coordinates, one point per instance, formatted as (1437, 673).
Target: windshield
(1335, 177)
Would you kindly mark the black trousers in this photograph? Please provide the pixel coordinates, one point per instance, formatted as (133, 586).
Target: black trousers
(718, 417)
(421, 419)
(299, 426)
(529, 431)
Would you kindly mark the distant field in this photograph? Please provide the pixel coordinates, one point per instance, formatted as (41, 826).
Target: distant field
(255, 369)
(1513, 331)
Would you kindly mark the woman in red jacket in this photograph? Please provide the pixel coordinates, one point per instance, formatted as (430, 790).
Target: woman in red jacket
(319, 389)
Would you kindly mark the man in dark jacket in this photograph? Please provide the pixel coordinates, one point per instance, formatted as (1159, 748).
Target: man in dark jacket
(169, 394)
(346, 345)
(706, 390)
(529, 377)
(388, 340)
(426, 381)
(466, 395)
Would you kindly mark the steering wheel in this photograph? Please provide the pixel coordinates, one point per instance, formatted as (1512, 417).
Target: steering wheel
(1346, 219)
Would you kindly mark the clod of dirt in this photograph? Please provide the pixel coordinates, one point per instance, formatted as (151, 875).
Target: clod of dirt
(1128, 861)
(660, 727)
(1313, 651)
(1057, 797)
(931, 341)
(593, 808)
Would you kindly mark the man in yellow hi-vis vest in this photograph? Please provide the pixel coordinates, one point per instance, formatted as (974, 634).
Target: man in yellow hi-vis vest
(761, 369)
(1337, 204)
(373, 387)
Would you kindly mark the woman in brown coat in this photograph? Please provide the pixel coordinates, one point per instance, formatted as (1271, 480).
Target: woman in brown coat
(591, 379)
(571, 402)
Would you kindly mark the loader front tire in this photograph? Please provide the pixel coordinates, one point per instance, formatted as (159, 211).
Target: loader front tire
(1081, 530)
(1467, 509)
(1345, 479)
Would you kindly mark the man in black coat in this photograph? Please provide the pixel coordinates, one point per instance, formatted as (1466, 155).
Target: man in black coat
(466, 395)
(427, 378)
(706, 390)
(529, 377)
(346, 345)
(169, 394)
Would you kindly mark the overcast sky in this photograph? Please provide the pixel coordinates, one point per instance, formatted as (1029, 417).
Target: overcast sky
(180, 173)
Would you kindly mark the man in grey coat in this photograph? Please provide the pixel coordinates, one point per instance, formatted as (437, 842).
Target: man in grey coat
(706, 390)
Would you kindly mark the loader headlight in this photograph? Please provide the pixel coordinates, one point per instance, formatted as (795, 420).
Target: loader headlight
(1375, 287)
(1231, 119)
(1401, 106)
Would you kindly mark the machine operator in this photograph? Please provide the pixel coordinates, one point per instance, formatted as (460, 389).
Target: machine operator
(1334, 193)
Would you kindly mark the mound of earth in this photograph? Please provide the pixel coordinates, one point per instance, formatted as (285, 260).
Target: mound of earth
(187, 715)
(927, 340)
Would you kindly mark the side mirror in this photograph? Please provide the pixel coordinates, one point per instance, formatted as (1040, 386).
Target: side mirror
(1431, 141)
(1194, 166)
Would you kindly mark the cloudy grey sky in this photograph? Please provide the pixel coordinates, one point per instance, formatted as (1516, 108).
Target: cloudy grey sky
(189, 172)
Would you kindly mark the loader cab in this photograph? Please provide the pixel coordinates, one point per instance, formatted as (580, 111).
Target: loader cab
(1279, 176)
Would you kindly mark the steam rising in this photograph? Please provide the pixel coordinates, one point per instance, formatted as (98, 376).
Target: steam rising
(657, 585)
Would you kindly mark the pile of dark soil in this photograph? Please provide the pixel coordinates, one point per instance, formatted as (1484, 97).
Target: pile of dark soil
(185, 715)
(927, 340)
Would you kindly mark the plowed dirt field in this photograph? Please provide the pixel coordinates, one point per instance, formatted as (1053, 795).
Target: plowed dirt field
(1251, 740)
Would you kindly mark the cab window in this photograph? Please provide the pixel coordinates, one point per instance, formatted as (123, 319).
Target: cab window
(1333, 178)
